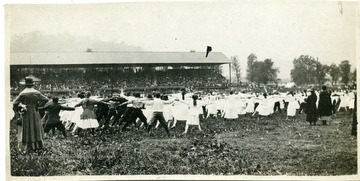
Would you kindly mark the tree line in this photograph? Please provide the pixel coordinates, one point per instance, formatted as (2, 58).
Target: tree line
(306, 71)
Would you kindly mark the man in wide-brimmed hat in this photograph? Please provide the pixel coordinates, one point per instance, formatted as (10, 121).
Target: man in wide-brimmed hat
(30, 132)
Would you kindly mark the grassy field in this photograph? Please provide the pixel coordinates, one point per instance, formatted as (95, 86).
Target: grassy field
(269, 146)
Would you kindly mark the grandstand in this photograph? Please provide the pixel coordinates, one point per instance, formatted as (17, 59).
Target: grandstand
(112, 71)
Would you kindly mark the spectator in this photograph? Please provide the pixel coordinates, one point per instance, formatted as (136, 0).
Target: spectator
(325, 106)
(30, 135)
(311, 109)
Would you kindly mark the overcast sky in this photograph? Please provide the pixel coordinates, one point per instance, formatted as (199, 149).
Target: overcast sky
(280, 30)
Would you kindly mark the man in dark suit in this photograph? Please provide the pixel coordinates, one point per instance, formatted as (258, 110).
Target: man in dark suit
(53, 118)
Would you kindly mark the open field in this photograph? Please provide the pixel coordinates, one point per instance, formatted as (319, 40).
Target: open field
(269, 146)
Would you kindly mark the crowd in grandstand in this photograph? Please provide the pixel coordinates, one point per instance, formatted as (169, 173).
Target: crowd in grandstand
(92, 80)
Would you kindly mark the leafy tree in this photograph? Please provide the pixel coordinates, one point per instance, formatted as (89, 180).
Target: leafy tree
(321, 73)
(269, 72)
(264, 72)
(345, 71)
(250, 68)
(334, 72)
(353, 77)
(235, 66)
(304, 71)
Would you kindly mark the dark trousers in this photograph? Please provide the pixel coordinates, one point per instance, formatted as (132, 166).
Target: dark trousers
(286, 104)
(158, 116)
(111, 113)
(311, 118)
(126, 115)
(100, 116)
(277, 106)
(256, 105)
(204, 111)
(302, 107)
(120, 111)
(59, 126)
(136, 113)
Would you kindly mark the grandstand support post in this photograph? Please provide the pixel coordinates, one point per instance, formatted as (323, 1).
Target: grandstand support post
(110, 72)
(230, 74)
(112, 81)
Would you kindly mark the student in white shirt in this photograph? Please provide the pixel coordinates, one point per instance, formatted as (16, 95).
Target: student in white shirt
(158, 113)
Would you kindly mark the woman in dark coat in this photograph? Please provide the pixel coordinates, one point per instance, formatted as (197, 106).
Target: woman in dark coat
(310, 109)
(325, 106)
(30, 131)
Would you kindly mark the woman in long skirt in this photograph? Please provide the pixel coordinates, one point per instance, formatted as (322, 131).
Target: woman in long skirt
(211, 106)
(325, 106)
(31, 133)
(311, 109)
(344, 101)
(179, 112)
(249, 105)
(241, 105)
(230, 110)
(292, 106)
(264, 109)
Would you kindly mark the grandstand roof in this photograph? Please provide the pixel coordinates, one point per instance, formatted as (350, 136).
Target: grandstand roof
(123, 58)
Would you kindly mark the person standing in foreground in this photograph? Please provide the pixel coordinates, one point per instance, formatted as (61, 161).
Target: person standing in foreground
(325, 106)
(158, 114)
(31, 133)
(311, 110)
(87, 118)
(53, 118)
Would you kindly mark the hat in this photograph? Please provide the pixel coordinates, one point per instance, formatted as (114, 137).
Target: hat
(29, 81)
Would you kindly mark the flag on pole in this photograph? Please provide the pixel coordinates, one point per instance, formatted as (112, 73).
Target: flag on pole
(208, 50)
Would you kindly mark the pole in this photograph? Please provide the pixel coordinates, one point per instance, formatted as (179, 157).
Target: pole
(354, 122)
(317, 70)
(111, 81)
(230, 73)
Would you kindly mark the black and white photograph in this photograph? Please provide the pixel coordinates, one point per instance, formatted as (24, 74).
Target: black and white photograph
(181, 90)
